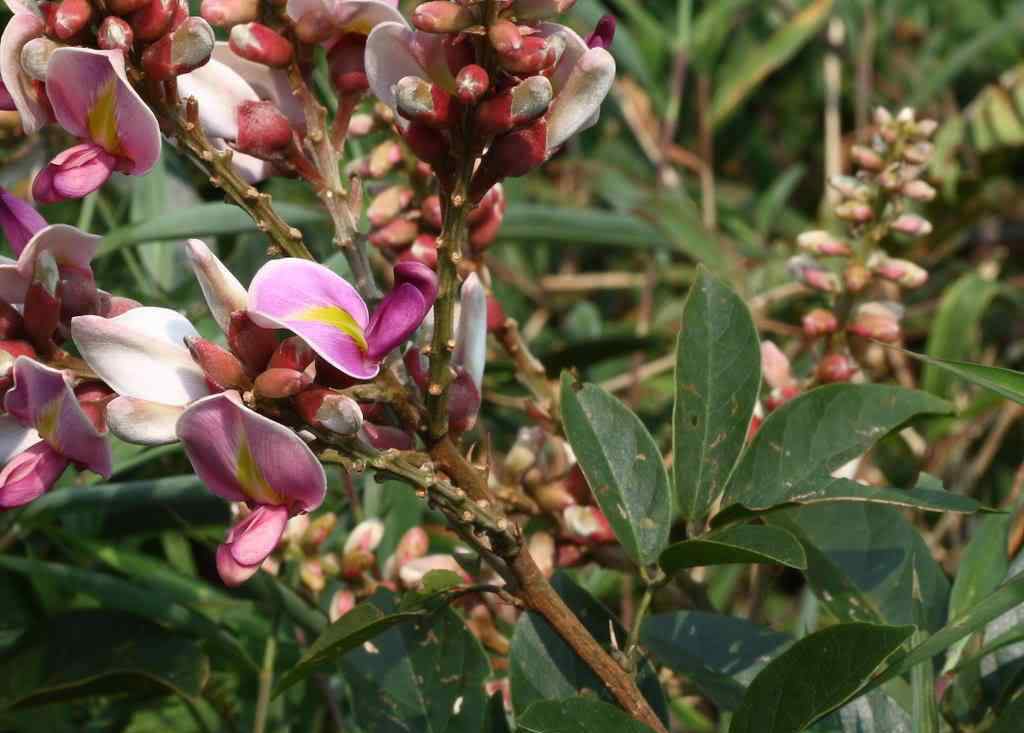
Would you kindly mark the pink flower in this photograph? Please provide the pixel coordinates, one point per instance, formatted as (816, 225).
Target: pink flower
(242, 456)
(26, 94)
(18, 220)
(92, 99)
(328, 313)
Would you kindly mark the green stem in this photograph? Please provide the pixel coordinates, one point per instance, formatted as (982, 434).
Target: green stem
(633, 642)
(266, 682)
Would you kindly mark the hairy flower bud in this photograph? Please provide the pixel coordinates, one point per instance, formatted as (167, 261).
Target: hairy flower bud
(904, 272)
(260, 44)
(185, 49)
(226, 13)
(292, 353)
(534, 55)
(919, 153)
(912, 224)
(388, 204)
(222, 368)
(854, 211)
(504, 36)
(866, 158)
(819, 322)
(277, 384)
(252, 344)
(836, 368)
(518, 106)
(471, 83)
(262, 129)
(918, 190)
(115, 34)
(588, 523)
(342, 602)
(35, 56)
(813, 275)
(71, 17)
(879, 321)
(327, 409)
(365, 536)
(850, 187)
(346, 65)
(820, 242)
(153, 20)
(430, 146)
(513, 154)
(441, 16)
(856, 277)
(420, 101)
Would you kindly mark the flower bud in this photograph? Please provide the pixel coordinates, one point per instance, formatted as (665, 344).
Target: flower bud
(12, 325)
(252, 344)
(71, 17)
(534, 56)
(346, 65)
(813, 275)
(906, 116)
(588, 523)
(918, 190)
(35, 56)
(418, 100)
(222, 368)
(604, 33)
(471, 83)
(522, 104)
(263, 130)
(442, 16)
(854, 211)
(396, 234)
(513, 154)
(179, 52)
(262, 45)
(820, 242)
(115, 34)
(504, 36)
(423, 250)
(293, 353)
(42, 303)
(866, 158)
(541, 547)
(124, 7)
(775, 366)
(850, 187)
(912, 224)
(412, 573)
(428, 145)
(365, 536)
(413, 544)
(819, 322)
(388, 204)
(384, 157)
(430, 210)
(925, 128)
(856, 277)
(327, 409)
(553, 497)
(919, 153)
(836, 368)
(879, 321)
(277, 384)
(153, 20)
(311, 573)
(112, 306)
(226, 13)
(385, 437)
(485, 231)
(342, 602)
(904, 272)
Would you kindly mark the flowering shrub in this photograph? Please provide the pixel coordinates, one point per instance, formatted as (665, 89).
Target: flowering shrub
(354, 494)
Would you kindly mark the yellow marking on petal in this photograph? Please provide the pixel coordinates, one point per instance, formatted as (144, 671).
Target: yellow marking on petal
(251, 478)
(102, 118)
(339, 318)
(362, 26)
(46, 425)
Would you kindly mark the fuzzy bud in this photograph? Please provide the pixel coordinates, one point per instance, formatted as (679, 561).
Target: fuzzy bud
(820, 242)
(442, 16)
(836, 368)
(115, 34)
(222, 368)
(854, 211)
(428, 145)
(327, 409)
(153, 20)
(856, 277)
(819, 322)
(342, 602)
(925, 128)
(412, 573)
(514, 154)
(71, 17)
(813, 275)
(471, 83)
(879, 321)
(346, 65)
(252, 344)
(541, 547)
(912, 224)
(180, 52)
(292, 354)
(420, 101)
(262, 129)
(35, 56)
(534, 56)
(365, 536)
(850, 187)
(260, 44)
(919, 153)
(866, 158)
(903, 272)
(396, 234)
(588, 523)
(522, 104)
(504, 36)
(775, 366)
(277, 384)
(384, 157)
(226, 13)
(918, 190)
(423, 250)
(124, 7)
(388, 204)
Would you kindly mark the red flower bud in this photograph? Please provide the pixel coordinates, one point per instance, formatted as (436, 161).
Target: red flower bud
(535, 55)
(819, 322)
(71, 17)
(486, 230)
(252, 344)
(280, 383)
(876, 321)
(495, 315)
(124, 7)
(385, 437)
(396, 234)
(471, 83)
(420, 101)
(346, 66)
(262, 129)
(511, 155)
(522, 104)
(443, 17)
(260, 44)
(226, 13)
(153, 20)
(181, 14)
(383, 158)
(431, 211)
(505, 36)
(111, 306)
(179, 52)
(423, 250)
(836, 368)
(12, 325)
(292, 353)
(429, 145)
(222, 368)
(115, 34)
(327, 409)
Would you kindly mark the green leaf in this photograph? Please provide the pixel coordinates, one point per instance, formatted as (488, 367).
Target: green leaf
(1009, 719)
(741, 544)
(965, 301)
(362, 623)
(421, 677)
(127, 496)
(578, 715)
(1004, 382)
(922, 678)
(202, 220)
(801, 443)
(815, 676)
(542, 666)
(718, 375)
(741, 75)
(623, 466)
(590, 227)
(719, 654)
(96, 652)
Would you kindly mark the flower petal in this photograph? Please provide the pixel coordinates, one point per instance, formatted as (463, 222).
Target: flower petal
(389, 57)
(13, 287)
(256, 536)
(92, 99)
(141, 353)
(143, 422)
(73, 174)
(471, 334)
(272, 84)
(220, 91)
(319, 306)
(15, 437)
(29, 474)
(242, 456)
(576, 106)
(402, 310)
(68, 245)
(223, 293)
(362, 16)
(32, 108)
(574, 49)
(18, 220)
(230, 570)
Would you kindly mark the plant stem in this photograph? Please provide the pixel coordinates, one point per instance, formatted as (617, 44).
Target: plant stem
(633, 641)
(266, 682)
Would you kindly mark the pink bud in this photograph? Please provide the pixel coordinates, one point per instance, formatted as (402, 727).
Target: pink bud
(522, 104)
(384, 157)
(260, 44)
(471, 83)
(904, 272)
(388, 204)
(412, 572)
(153, 20)
(866, 158)
(226, 13)
(877, 321)
(423, 249)
(292, 353)
(918, 190)
(396, 234)
(329, 410)
(541, 546)
(252, 344)
(346, 65)
(534, 56)
(29, 474)
(431, 211)
(414, 543)
(485, 230)
(124, 7)
(854, 211)
(181, 14)
(115, 34)
(836, 368)
(71, 17)
(775, 366)
(604, 33)
(277, 384)
(443, 17)
(820, 242)
(385, 437)
(588, 523)
(553, 497)
(365, 536)
(222, 368)
(819, 322)
(813, 275)
(504, 36)
(912, 224)
(263, 130)
(856, 277)
(179, 52)
(418, 100)
(919, 153)
(429, 145)
(342, 602)
(495, 314)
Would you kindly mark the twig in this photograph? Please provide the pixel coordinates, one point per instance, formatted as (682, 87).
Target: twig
(643, 373)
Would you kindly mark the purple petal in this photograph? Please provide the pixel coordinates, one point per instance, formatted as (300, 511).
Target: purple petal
(402, 310)
(73, 174)
(19, 221)
(256, 536)
(604, 33)
(93, 100)
(29, 474)
(6, 100)
(243, 456)
(230, 571)
(69, 246)
(319, 306)
(32, 106)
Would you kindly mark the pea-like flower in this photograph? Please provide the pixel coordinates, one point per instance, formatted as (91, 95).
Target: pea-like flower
(327, 312)
(44, 431)
(27, 95)
(242, 456)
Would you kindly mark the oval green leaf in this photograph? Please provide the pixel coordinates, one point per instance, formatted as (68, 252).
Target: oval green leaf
(578, 715)
(746, 543)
